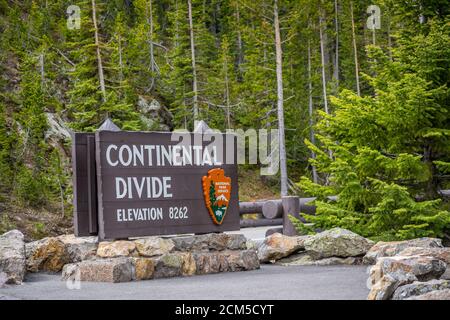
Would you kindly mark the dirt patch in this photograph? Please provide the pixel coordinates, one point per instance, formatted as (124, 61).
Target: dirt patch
(34, 223)
(252, 187)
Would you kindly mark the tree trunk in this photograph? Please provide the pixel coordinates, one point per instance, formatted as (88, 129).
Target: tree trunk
(389, 36)
(150, 41)
(336, 58)
(279, 71)
(42, 67)
(431, 189)
(311, 113)
(355, 51)
(101, 77)
(227, 93)
(322, 56)
(194, 69)
(240, 55)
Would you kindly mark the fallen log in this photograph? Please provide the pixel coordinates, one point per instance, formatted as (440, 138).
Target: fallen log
(251, 223)
(272, 209)
(251, 207)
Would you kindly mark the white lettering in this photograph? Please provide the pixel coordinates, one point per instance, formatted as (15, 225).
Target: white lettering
(108, 155)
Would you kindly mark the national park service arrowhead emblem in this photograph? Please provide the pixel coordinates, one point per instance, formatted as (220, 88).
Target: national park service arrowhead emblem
(217, 193)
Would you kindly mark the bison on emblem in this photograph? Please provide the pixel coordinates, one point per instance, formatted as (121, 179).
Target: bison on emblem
(217, 193)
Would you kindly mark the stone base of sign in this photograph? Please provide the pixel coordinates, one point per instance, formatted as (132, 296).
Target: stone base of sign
(156, 257)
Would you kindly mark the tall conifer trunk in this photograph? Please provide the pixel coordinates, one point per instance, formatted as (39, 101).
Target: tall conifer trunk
(279, 71)
(355, 51)
(194, 68)
(101, 77)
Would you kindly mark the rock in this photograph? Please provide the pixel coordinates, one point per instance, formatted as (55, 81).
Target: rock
(387, 284)
(51, 254)
(423, 267)
(277, 246)
(210, 241)
(391, 272)
(100, 270)
(247, 260)
(144, 268)
(297, 259)
(446, 274)
(79, 248)
(188, 243)
(175, 264)
(419, 288)
(306, 259)
(337, 242)
(438, 253)
(236, 242)
(224, 261)
(433, 295)
(153, 115)
(57, 129)
(389, 249)
(189, 265)
(210, 262)
(48, 254)
(153, 246)
(3, 279)
(12, 257)
(215, 241)
(120, 248)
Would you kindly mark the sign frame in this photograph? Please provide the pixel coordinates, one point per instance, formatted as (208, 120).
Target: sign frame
(186, 185)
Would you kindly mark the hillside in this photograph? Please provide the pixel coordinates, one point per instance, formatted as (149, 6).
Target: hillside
(360, 97)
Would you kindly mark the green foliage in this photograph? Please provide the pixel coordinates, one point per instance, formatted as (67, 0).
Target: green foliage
(389, 146)
(386, 149)
(300, 227)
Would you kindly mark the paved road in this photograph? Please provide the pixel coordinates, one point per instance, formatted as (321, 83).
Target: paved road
(270, 282)
(258, 233)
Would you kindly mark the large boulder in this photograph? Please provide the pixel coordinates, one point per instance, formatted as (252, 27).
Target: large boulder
(337, 242)
(12, 257)
(48, 254)
(277, 246)
(114, 249)
(419, 288)
(100, 270)
(153, 246)
(389, 249)
(391, 272)
(433, 295)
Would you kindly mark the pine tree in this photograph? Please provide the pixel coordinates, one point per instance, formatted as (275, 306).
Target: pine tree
(384, 148)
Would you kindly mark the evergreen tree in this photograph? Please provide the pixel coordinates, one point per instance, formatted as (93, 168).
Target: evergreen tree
(384, 147)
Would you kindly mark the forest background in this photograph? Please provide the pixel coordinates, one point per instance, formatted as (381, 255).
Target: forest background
(366, 110)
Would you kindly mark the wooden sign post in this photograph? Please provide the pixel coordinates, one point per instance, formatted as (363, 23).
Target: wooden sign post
(147, 184)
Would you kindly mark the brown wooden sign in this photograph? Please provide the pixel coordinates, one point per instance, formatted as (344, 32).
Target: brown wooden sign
(148, 184)
(84, 184)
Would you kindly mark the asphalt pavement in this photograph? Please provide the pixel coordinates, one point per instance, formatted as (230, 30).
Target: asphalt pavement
(271, 282)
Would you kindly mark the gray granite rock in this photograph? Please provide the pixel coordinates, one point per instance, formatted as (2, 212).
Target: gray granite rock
(12, 257)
